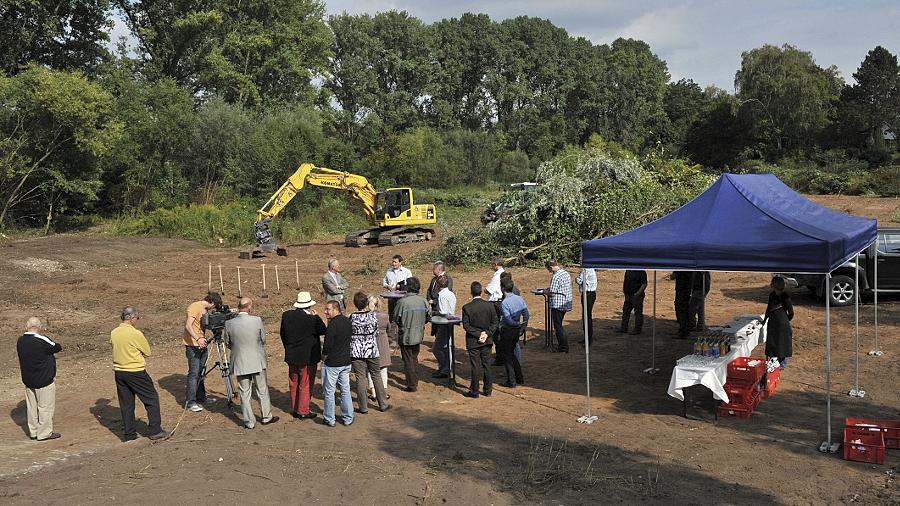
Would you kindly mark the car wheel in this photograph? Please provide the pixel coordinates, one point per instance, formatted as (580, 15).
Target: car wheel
(843, 290)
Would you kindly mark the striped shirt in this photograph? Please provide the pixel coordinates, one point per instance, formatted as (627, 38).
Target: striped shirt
(561, 288)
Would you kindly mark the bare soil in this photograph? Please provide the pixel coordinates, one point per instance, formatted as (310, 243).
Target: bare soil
(436, 446)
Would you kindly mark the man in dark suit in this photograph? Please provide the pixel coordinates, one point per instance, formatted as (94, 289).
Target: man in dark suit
(479, 320)
(439, 271)
(301, 332)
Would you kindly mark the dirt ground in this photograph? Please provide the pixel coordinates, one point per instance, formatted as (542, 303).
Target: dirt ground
(436, 446)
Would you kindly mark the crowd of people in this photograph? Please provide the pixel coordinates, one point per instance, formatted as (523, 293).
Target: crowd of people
(359, 341)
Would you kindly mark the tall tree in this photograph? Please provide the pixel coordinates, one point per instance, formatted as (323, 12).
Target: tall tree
(61, 34)
(631, 90)
(873, 103)
(54, 128)
(254, 52)
(462, 52)
(785, 96)
(683, 103)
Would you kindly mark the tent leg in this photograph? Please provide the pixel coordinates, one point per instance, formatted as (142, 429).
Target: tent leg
(828, 445)
(653, 369)
(588, 418)
(877, 351)
(856, 391)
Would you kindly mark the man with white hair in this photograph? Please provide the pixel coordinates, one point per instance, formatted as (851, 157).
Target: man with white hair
(37, 362)
(333, 284)
(246, 337)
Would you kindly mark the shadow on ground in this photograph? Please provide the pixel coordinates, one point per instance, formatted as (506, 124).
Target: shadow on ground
(543, 469)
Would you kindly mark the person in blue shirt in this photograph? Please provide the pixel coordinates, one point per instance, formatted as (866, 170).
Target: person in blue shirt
(513, 322)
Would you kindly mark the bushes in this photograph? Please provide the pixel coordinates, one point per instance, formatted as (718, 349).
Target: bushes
(583, 194)
(232, 224)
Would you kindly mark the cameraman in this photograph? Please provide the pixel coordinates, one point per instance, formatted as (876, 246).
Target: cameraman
(195, 347)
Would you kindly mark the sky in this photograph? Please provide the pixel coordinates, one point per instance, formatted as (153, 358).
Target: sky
(699, 39)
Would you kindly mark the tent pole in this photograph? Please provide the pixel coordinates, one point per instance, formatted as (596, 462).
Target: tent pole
(856, 392)
(653, 369)
(828, 446)
(588, 418)
(877, 351)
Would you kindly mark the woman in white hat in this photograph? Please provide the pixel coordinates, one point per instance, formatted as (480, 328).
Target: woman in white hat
(301, 332)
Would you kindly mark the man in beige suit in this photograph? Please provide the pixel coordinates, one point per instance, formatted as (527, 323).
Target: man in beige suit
(333, 284)
(246, 337)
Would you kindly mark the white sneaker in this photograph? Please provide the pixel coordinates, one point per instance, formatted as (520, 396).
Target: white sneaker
(196, 408)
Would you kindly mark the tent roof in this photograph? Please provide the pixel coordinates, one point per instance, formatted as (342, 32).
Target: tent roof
(746, 222)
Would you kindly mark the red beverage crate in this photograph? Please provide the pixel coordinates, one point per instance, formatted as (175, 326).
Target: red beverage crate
(740, 393)
(741, 410)
(890, 429)
(772, 380)
(869, 448)
(739, 370)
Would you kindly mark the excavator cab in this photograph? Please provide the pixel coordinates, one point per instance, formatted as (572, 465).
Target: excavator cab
(395, 203)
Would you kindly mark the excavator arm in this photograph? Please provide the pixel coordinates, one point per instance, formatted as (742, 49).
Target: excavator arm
(358, 186)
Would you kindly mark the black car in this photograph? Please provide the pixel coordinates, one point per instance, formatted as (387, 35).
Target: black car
(843, 286)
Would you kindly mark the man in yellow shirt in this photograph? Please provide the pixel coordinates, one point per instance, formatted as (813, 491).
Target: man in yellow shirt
(129, 348)
(196, 350)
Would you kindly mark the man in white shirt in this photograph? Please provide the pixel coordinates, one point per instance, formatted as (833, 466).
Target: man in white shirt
(443, 332)
(396, 275)
(495, 296)
(587, 284)
(495, 293)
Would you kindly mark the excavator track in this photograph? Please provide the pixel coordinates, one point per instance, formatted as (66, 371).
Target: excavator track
(388, 236)
(392, 236)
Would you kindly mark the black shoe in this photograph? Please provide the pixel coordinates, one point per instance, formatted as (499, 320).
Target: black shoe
(410, 389)
(270, 420)
(125, 439)
(159, 435)
(54, 435)
(33, 438)
(520, 381)
(486, 393)
(470, 394)
(385, 408)
(440, 375)
(309, 416)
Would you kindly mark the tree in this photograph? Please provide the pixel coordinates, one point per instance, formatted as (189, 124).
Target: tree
(683, 102)
(56, 127)
(61, 34)
(254, 52)
(717, 136)
(873, 103)
(631, 92)
(145, 169)
(785, 96)
(380, 68)
(462, 53)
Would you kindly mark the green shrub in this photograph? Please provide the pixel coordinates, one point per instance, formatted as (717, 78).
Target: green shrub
(583, 194)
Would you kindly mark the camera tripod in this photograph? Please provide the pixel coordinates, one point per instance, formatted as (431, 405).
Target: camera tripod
(222, 364)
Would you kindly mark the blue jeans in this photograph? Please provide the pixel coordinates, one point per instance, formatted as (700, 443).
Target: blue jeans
(196, 390)
(331, 377)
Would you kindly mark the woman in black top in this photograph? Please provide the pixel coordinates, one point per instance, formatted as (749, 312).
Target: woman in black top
(779, 314)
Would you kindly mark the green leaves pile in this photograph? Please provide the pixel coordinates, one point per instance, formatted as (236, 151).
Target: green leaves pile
(584, 193)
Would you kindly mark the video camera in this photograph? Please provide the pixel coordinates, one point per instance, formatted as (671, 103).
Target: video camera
(214, 321)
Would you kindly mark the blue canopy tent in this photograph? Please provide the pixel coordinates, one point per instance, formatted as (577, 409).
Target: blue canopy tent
(742, 223)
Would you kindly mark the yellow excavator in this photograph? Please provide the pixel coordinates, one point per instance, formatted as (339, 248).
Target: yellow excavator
(394, 215)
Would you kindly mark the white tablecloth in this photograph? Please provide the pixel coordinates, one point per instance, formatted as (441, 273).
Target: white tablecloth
(745, 331)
